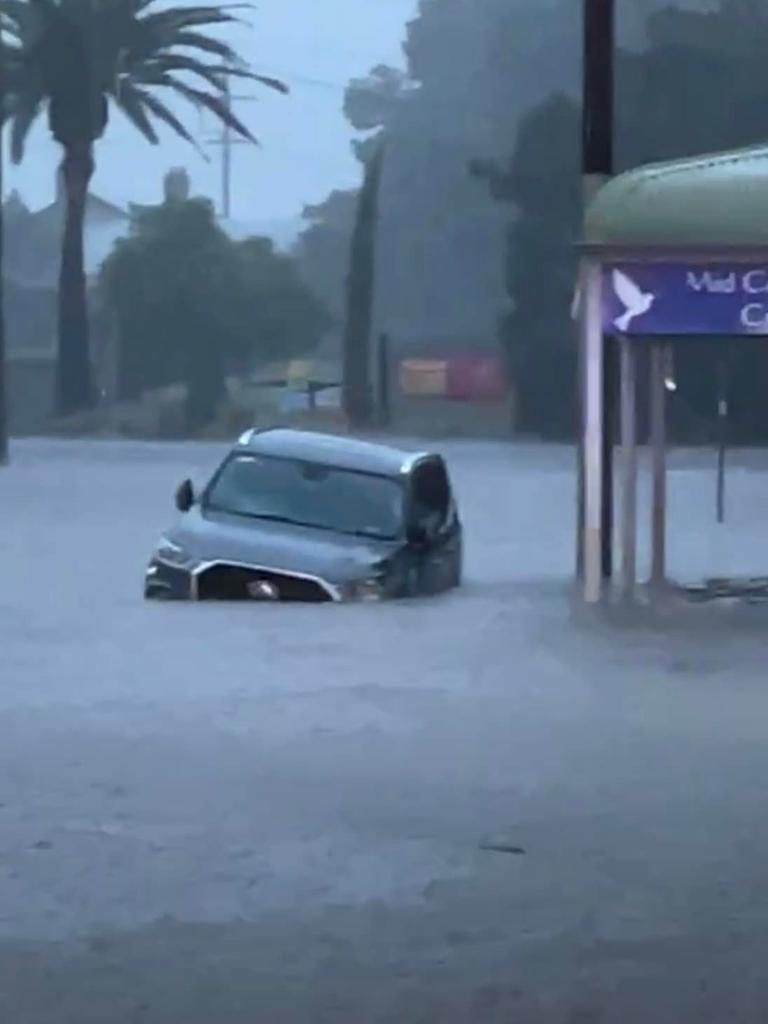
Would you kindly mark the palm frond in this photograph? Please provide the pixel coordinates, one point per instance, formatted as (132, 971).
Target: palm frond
(199, 41)
(217, 106)
(214, 74)
(174, 19)
(16, 17)
(132, 106)
(23, 111)
(70, 54)
(160, 111)
(165, 63)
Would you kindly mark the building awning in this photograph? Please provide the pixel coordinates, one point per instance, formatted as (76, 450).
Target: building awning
(708, 202)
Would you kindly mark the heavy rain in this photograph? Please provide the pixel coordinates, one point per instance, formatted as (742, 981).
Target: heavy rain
(502, 802)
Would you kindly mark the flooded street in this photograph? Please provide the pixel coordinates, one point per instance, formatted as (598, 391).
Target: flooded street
(476, 808)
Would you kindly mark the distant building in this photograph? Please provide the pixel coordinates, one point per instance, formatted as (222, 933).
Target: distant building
(31, 270)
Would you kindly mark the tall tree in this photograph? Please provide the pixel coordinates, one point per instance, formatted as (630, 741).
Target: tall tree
(695, 89)
(74, 58)
(361, 282)
(191, 305)
(322, 249)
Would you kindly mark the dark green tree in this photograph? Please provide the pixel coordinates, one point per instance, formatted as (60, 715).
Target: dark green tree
(322, 249)
(74, 58)
(192, 306)
(537, 333)
(361, 284)
(695, 89)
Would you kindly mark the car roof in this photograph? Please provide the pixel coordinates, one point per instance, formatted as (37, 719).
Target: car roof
(329, 449)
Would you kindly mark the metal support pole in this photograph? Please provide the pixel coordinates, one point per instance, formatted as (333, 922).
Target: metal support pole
(581, 428)
(609, 431)
(658, 465)
(628, 466)
(227, 140)
(598, 59)
(722, 442)
(593, 433)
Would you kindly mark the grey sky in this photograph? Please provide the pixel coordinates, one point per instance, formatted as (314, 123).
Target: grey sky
(305, 140)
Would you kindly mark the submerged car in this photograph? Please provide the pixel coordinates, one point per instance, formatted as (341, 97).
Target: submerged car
(295, 516)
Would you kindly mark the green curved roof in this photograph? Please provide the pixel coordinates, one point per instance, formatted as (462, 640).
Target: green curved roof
(705, 201)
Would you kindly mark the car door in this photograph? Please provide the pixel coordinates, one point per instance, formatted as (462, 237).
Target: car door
(435, 515)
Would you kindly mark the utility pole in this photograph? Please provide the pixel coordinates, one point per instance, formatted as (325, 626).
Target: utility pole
(227, 139)
(597, 167)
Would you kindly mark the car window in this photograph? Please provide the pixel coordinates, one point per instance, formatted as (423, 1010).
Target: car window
(308, 494)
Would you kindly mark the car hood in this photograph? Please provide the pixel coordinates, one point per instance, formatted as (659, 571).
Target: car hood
(333, 557)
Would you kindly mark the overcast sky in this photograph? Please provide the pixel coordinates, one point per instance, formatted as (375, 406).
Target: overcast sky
(316, 46)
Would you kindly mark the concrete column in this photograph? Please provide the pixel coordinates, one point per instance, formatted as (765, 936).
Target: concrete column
(628, 353)
(658, 465)
(592, 326)
(577, 312)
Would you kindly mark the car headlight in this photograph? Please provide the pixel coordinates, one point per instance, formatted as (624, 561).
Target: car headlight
(172, 553)
(371, 589)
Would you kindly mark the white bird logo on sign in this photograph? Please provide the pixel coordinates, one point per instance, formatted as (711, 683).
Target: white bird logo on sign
(636, 302)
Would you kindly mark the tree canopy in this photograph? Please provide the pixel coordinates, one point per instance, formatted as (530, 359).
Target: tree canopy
(73, 59)
(191, 305)
(696, 88)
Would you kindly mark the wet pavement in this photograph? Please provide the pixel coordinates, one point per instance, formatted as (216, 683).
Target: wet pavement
(476, 808)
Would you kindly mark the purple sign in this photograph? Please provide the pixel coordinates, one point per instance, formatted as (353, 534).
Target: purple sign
(678, 298)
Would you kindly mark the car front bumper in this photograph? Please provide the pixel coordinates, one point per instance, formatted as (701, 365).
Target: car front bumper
(226, 580)
(168, 582)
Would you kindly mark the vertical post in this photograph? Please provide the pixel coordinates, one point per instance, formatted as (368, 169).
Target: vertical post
(3, 355)
(628, 466)
(598, 88)
(383, 380)
(658, 465)
(597, 166)
(594, 447)
(722, 444)
(609, 430)
(581, 407)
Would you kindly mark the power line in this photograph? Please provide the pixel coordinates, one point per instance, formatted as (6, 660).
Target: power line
(321, 83)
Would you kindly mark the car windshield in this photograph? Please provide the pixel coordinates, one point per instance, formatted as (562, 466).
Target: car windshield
(307, 494)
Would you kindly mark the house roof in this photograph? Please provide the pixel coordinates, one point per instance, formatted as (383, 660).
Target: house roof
(703, 202)
(33, 239)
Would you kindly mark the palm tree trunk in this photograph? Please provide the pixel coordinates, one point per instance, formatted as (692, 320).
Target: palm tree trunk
(74, 385)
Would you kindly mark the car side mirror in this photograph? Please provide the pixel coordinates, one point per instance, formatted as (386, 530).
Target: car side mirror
(185, 496)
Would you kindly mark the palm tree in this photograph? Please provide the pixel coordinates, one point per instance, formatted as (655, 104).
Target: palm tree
(74, 59)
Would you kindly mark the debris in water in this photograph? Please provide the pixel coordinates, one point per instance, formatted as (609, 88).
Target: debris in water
(518, 851)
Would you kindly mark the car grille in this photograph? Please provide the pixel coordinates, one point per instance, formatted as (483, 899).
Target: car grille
(224, 582)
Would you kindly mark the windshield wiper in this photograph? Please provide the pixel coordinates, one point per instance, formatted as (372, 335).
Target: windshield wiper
(268, 517)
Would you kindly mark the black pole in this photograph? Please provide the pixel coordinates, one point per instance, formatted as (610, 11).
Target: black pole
(597, 119)
(597, 165)
(3, 362)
